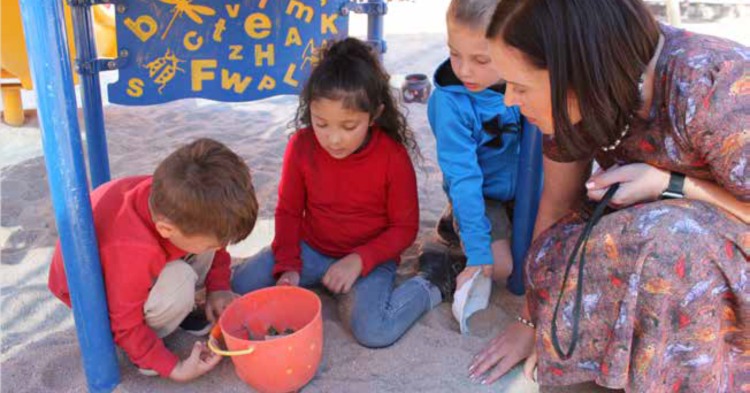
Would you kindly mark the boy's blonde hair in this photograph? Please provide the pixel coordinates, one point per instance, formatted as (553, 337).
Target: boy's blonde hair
(474, 13)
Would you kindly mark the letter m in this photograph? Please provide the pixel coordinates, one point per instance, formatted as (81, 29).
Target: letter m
(303, 11)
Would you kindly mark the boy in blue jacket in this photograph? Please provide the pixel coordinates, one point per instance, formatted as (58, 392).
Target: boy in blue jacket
(477, 147)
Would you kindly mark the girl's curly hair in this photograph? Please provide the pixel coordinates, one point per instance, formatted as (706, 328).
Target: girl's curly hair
(350, 71)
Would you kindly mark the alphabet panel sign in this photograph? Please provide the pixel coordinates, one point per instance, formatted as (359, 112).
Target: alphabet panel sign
(220, 50)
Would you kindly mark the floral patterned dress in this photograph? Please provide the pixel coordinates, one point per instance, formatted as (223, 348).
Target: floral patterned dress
(665, 300)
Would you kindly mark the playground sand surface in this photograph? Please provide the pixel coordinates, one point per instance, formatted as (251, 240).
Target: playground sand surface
(39, 349)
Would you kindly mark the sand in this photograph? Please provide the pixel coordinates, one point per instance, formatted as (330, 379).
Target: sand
(39, 351)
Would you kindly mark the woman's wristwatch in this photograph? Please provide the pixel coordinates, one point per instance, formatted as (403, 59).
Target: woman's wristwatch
(676, 186)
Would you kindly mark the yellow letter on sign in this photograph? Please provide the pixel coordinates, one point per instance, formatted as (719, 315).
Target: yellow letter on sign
(235, 52)
(233, 10)
(189, 43)
(327, 24)
(302, 9)
(135, 87)
(198, 75)
(292, 37)
(268, 54)
(258, 26)
(235, 81)
(289, 76)
(136, 26)
(219, 29)
(267, 83)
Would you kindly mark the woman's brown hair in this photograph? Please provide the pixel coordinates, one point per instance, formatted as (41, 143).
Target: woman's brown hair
(597, 48)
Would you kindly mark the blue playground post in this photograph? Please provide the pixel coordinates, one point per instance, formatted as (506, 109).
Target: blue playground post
(91, 95)
(528, 192)
(375, 10)
(46, 43)
(375, 24)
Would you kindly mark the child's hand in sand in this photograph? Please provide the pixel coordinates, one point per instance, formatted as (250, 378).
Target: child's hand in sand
(468, 273)
(200, 361)
(343, 273)
(216, 302)
(289, 278)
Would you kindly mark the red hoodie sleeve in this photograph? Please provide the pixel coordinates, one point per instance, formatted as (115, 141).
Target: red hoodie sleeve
(403, 215)
(289, 211)
(128, 278)
(219, 274)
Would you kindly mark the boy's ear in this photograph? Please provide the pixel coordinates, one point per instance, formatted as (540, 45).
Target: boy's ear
(379, 112)
(165, 228)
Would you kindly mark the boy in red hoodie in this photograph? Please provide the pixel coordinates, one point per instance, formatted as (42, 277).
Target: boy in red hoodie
(160, 239)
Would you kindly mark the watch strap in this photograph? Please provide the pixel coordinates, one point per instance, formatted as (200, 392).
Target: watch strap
(676, 186)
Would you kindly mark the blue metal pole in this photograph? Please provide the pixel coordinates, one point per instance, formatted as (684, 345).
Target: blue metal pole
(49, 60)
(528, 193)
(91, 95)
(375, 26)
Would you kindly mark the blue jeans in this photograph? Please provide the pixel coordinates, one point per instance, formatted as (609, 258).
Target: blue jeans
(380, 314)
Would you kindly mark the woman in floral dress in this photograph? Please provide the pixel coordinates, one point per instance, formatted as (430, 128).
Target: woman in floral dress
(665, 305)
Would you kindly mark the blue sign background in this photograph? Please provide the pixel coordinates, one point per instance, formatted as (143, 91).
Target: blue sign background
(220, 50)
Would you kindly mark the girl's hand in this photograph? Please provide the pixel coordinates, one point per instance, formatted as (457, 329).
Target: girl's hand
(638, 183)
(468, 273)
(343, 273)
(511, 346)
(216, 302)
(289, 278)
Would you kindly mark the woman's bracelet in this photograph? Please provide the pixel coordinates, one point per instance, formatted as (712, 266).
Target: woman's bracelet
(525, 322)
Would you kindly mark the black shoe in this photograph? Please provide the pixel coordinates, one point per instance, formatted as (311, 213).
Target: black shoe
(446, 231)
(438, 266)
(196, 323)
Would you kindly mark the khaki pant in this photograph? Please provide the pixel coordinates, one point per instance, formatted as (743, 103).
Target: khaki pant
(172, 297)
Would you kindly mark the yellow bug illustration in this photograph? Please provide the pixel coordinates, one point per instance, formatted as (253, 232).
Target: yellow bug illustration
(193, 11)
(311, 54)
(166, 66)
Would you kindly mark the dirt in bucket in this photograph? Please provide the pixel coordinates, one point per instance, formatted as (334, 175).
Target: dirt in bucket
(273, 333)
(269, 334)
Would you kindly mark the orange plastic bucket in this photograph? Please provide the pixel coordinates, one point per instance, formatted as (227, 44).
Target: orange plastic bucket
(279, 365)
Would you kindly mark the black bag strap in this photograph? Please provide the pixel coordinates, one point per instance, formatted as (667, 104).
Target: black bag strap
(580, 244)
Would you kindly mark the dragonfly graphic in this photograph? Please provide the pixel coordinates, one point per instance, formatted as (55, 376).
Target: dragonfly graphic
(193, 11)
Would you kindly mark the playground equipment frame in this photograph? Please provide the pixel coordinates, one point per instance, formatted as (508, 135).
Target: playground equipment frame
(69, 187)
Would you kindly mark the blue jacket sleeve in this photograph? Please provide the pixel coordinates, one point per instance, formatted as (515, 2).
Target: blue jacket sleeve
(452, 122)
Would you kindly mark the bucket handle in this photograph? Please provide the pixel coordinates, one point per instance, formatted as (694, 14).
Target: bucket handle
(213, 344)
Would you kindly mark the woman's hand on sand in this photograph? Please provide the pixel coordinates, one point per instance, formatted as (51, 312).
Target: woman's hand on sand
(289, 278)
(216, 302)
(638, 183)
(342, 275)
(468, 273)
(511, 346)
(200, 361)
